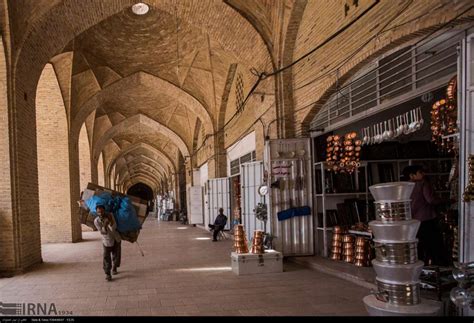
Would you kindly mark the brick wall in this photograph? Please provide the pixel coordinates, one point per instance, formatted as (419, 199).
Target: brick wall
(319, 22)
(7, 242)
(84, 158)
(53, 160)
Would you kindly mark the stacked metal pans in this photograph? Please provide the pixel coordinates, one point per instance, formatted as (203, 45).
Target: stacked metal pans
(362, 252)
(348, 252)
(396, 264)
(240, 239)
(336, 245)
(257, 242)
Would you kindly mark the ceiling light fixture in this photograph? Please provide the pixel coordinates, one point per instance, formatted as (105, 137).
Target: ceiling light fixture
(140, 8)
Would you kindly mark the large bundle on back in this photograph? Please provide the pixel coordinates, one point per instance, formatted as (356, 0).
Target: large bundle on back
(129, 212)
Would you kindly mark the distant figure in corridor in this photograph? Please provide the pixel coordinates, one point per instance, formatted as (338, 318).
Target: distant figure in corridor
(219, 224)
(111, 241)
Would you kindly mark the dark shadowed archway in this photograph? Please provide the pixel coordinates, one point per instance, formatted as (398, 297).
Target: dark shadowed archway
(142, 191)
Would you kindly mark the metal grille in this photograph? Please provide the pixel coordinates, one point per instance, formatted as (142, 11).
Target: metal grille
(407, 71)
(235, 164)
(239, 93)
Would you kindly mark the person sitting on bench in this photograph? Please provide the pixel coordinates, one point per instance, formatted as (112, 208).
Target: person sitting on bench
(219, 224)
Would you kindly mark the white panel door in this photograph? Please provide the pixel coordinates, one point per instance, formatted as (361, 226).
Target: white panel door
(196, 205)
(218, 196)
(251, 177)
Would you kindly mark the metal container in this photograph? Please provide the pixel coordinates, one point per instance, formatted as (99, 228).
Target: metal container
(337, 237)
(362, 244)
(348, 252)
(361, 256)
(398, 273)
(361, 250)
(349, 259)
(395, 231)
(396, 253)
(393, 191)
(361, 263)
(348, 239)
(337, 244)
(336, 250)
(391, 211)
(398, 294)
(336, 256)
(337, 229)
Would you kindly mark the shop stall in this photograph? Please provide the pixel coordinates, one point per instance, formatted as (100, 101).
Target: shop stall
(401, 110)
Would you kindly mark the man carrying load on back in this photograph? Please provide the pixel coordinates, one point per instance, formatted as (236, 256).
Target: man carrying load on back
(111, 240)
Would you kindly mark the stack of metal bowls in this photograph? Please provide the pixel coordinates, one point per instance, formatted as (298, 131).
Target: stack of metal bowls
(240, 239)
(348, 248)
(257, 242)
(396, 260)
(336, 246)
(362, 252)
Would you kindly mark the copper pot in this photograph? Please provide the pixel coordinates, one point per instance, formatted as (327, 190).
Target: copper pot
(337, 244)
(337, 237)
(361, 250)
(361, 239)
(360, 263)
(348, 259)
(336, 250)
(329, 138)
(348, 252)
(361, 256)
(337, 229)
(336, 256)
(348, 238)
(358, 142)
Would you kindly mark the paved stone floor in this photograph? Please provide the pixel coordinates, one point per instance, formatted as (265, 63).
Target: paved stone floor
(182, 273)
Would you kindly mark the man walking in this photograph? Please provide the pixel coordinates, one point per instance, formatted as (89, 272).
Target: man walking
(111, 241)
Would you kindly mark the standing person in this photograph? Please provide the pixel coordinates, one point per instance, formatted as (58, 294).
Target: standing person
(111, 241)
(423, 203)
(219, 224)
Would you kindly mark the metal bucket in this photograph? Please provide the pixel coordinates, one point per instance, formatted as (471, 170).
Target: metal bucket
(395, 231)
(397, 274)
(392, 191)
(396, 253)
(398, 294)
(391, 211)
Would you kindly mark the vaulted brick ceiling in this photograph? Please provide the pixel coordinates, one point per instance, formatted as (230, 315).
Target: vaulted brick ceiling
(188, 44)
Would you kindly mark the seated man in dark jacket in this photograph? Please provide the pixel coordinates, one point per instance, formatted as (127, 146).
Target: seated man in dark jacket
(219, 224)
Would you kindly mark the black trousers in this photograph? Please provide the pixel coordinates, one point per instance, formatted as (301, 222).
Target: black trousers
(430, 244)
(216, 229)
(112, 257)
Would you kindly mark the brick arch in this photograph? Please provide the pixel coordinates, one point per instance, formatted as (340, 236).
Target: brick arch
(141, 78)
(254, 13)
(286, 105)
(135, 180)
(138, 119)
(150, 169)
(145, 176)
(404, 35)
(146, 161)
(139, 145)
(57, 221)
(150, 176)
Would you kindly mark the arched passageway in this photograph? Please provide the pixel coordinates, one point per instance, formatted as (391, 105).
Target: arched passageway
(142, 191)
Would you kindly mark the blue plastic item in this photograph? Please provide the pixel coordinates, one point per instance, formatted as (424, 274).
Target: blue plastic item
(126, 216)
(296, 211)
(104, 199)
